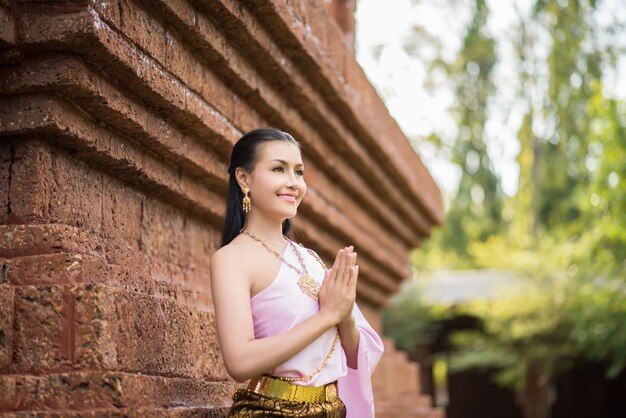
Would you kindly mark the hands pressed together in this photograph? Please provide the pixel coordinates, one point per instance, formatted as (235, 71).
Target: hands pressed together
(338, 290)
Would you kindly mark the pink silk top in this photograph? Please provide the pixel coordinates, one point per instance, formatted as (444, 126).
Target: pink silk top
(282, 305)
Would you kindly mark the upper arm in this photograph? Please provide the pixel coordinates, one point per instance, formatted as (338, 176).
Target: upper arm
(231, 298)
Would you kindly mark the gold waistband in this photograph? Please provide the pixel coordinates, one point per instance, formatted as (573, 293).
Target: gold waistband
(282, 389)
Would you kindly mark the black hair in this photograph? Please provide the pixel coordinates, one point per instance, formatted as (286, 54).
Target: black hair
(245, 155)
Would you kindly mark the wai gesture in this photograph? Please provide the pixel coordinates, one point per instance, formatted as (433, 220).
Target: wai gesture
(338, 290)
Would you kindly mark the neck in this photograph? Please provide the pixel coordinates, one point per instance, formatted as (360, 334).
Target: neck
(269, 230)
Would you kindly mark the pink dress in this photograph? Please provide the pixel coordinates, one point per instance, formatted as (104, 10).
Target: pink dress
(282, 305)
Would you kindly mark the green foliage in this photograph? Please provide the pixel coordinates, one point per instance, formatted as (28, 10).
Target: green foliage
(598, 313)
(564, 232)
(475, 210)
(410, 322)
(522, 331)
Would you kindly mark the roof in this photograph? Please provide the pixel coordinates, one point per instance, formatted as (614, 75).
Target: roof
(458, 286)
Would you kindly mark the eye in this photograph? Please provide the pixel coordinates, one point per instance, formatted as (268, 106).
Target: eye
(299, 172)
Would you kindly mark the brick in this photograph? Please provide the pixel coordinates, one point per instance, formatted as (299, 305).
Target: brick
(6, 160)
(199, 241)
(4, 275)
(161, 231)
(6, 326)
(108, 391)
(43, 329)
(78, 193)
(71, 78)
(47, 185)
(87, 326)
(180, 412)
(32, 186)
(149, 334)
(162, 337)
(180, 10)
(130, 270)
(95, 328)
(23, 240)
(247, 119)
(122, 209)
(59, 268)
(206, 412)
(7, 25)
(213, 89)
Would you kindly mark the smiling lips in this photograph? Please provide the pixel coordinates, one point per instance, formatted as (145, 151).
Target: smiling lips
(288, 197)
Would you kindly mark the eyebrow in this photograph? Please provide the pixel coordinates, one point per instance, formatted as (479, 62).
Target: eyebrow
(285, 162)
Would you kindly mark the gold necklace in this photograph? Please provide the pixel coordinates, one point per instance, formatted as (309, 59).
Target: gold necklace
(316, 297)
(307, 284)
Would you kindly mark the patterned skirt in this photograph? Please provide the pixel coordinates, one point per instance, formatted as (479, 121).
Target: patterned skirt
(247, 403)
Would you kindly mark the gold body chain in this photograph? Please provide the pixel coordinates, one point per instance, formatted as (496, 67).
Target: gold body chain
(307, 287)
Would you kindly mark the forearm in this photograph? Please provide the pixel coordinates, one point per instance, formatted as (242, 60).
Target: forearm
(350, 335)
(264, 354)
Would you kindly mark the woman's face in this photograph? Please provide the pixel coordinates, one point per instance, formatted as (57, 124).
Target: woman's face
(277, 183)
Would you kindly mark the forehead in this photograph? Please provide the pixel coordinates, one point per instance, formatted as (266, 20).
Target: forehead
(281, 150)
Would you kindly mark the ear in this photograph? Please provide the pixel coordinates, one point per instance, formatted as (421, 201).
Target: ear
(243, 177)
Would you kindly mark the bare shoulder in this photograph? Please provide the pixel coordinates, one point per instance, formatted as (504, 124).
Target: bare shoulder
(222, 254)
(227, 256)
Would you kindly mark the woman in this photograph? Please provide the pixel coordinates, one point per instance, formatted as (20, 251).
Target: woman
(284, 321)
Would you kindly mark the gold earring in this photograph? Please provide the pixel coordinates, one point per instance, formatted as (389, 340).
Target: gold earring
(246, 200)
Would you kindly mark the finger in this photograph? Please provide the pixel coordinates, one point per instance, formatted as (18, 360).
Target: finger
(354, 276)
(349, 275)
(327, 282)
(333, 270)
(341, 269)
(352, 259)
(349, 264)
(337, 258)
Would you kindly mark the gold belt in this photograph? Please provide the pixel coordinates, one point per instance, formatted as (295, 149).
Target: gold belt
(282, 389)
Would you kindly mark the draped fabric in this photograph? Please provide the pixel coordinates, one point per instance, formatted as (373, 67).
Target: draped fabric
(355, 387)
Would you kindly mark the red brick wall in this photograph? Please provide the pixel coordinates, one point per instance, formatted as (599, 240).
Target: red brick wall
(116, 123)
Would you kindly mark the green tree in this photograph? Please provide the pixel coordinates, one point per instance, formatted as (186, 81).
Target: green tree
(475, 210)
(565, 229)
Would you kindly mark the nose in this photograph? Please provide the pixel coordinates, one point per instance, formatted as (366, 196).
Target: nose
(292, 181)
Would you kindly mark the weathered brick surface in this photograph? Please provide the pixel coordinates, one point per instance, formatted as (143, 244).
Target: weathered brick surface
(116, 122)
(42, 187)
(7, 24)
(41, 194)
(35, 239)
(43, 329)
(86, 261)
(5, 172)
(61, 328)
(7, 296)
(198, 412)
(89, 390)
(396, 387)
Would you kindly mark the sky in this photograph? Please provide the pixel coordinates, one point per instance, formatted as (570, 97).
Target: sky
(399, 78)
